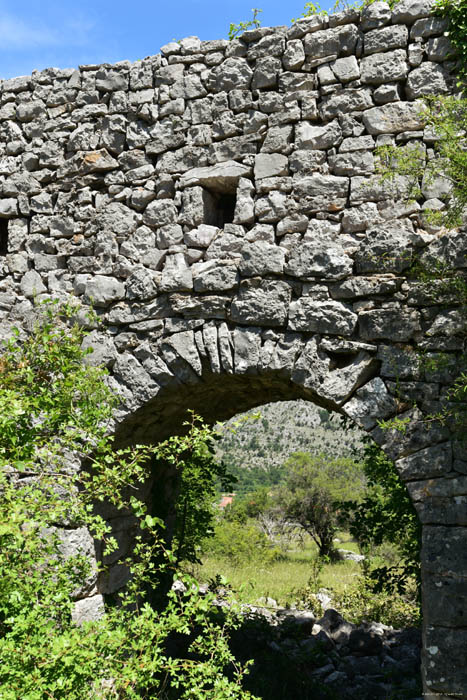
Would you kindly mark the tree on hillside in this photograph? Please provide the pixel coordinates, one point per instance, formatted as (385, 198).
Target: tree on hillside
(314, 486)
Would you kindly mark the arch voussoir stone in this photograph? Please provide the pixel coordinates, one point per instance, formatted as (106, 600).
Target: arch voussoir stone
(218, 205)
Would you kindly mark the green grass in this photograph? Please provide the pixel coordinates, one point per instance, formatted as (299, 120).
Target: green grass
(283, 579)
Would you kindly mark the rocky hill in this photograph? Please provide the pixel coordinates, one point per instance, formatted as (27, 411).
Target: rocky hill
(267, 436)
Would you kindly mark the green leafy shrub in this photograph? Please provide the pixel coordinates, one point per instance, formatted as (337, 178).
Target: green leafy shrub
(52, 407)
(361, 603)
(240, 543)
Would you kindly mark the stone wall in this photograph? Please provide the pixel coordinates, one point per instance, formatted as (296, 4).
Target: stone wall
(219, 206)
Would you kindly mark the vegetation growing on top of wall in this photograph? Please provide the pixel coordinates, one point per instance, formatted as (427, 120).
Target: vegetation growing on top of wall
(236, 29)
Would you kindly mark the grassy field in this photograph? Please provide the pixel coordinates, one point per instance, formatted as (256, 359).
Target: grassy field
(284, 579)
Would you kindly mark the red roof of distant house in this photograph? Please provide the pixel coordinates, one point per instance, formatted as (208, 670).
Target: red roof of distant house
(226, 500)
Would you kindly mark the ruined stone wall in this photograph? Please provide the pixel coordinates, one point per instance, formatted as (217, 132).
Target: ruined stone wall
(219, 206)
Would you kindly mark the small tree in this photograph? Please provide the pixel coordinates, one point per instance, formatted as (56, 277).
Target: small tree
(314, 487)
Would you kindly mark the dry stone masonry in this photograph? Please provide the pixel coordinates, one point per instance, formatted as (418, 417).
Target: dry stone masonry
(218, 204)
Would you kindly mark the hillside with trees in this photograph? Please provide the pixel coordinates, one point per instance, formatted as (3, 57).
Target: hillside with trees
(256, 445)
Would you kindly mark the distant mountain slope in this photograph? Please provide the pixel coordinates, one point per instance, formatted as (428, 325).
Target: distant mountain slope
(284, 427)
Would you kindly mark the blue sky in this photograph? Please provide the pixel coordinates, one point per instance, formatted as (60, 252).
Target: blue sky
(37, 34)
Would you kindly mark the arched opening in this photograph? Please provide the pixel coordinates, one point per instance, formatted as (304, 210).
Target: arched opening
(217, 396)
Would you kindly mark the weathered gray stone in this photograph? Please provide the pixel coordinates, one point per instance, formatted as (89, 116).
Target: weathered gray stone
(346, 69)
(358, 163)
(201, 237)
(103, 291)
(320, 192)
(88, 609)
(270, 165)
(388, 248)
(312, 316)
(294, 55)
(8, 208)
(179, 349)
(222, 177)
(309, 260)
(214, 276)
(261, 258)
(176, 274)
(344, 101)
(261, 302)
(381, 68)
(389, 324)
(393, 118)
(385, 39)
(159, 213)
(340, 41)
(234, 73)
(407, 11)
(32, 284)
(103, 349)
(142, 284)
(246, 345)
(427, 79)
(440, 48)
(371, 403)
(430, 462)
(317, 137)
(376, 14)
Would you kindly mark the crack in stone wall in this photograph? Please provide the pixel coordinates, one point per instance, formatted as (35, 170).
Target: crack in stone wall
(219, 206)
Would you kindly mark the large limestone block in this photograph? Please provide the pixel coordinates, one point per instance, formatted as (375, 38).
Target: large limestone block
(371, 403)
(430, 462)
(222, 177)
(394, 118)
(386, 38)
(233, 74)
(339, 41)
(387, 248)
(261, 258)
(261, 303)
(398, 325)
(309, 260)
(312, 137)
(214, 276)
(428, 79)
(408, 11)
(382, 68)
(270, 165)
(311, 316)
(319, 192)
(374, 15)
(8, 208)
(344, 101)
(103, 291)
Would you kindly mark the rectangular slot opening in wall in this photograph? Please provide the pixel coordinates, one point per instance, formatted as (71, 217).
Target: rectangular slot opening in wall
(219, 208)
(3, 236)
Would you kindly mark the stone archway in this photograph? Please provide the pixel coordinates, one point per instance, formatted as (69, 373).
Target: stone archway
(219, 206)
